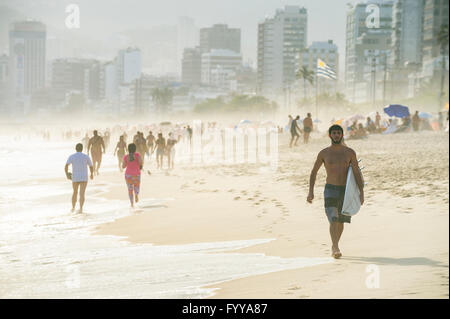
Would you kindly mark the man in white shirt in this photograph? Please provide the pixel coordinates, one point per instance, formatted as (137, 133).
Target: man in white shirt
(79, 176)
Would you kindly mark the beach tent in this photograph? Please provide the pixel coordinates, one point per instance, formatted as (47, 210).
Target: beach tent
(397, 110)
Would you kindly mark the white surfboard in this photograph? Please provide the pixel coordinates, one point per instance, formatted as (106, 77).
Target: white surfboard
(352, 203)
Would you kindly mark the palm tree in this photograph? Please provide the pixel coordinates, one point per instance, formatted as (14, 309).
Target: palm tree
(306, 75)
(162, 98)
(442, 39)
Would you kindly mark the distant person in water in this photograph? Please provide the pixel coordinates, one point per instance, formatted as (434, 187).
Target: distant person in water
(133, 164)
(79, 175)
(120, 151)
(97, 147)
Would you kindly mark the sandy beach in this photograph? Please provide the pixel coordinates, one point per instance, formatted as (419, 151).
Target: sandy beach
(396, 247)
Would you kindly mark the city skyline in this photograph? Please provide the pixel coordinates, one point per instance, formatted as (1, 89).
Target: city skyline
(326, 19)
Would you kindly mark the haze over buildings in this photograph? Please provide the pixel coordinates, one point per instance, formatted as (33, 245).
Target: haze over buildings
(116, 60)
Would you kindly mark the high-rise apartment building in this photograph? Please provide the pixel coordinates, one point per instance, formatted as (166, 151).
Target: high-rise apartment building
(191, 73)
(129, 65)
(220, 37)
(280, 40)
(27, 41)
(219, 67)
(368, 24)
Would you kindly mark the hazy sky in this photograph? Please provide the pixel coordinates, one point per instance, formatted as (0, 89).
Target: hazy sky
(101, 17)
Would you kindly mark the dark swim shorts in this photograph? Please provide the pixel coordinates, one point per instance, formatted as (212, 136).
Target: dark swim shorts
(334, 199)
(307, 129)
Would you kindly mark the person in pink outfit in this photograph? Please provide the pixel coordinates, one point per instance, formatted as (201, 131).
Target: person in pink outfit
(133, 164)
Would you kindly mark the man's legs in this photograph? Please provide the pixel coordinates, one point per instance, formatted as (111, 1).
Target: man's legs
(336, 230)
(99, 161)
(83, 186)
(74, 195)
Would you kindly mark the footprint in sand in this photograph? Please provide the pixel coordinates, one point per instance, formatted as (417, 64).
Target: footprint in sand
(237, 198)
(250, 198)
(230, 190)
(295, 288)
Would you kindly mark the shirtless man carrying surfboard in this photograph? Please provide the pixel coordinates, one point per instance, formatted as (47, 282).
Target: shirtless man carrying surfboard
(336, 159)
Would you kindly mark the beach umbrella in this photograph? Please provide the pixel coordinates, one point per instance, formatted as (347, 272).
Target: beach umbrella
(397, 110)
(355, 117)
(425, 115)
(245, 122)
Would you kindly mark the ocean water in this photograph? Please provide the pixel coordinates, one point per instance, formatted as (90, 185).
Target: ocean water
(46, 251)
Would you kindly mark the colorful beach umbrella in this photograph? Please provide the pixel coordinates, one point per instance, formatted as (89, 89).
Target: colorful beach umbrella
(397, 110)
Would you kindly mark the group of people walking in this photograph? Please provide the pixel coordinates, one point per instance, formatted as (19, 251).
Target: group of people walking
(130, 158)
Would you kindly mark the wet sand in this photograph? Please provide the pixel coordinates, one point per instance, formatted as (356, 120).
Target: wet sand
(401, 232)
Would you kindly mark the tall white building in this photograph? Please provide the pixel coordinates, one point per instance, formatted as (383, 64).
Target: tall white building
(280, 40)
(129, 65)
(219, 68)
(110, 85)
(406, 51)
(369, 24)
(407, 22)
(27, 59)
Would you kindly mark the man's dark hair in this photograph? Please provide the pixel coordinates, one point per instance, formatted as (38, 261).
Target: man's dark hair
(79, 147)
(335, 127)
